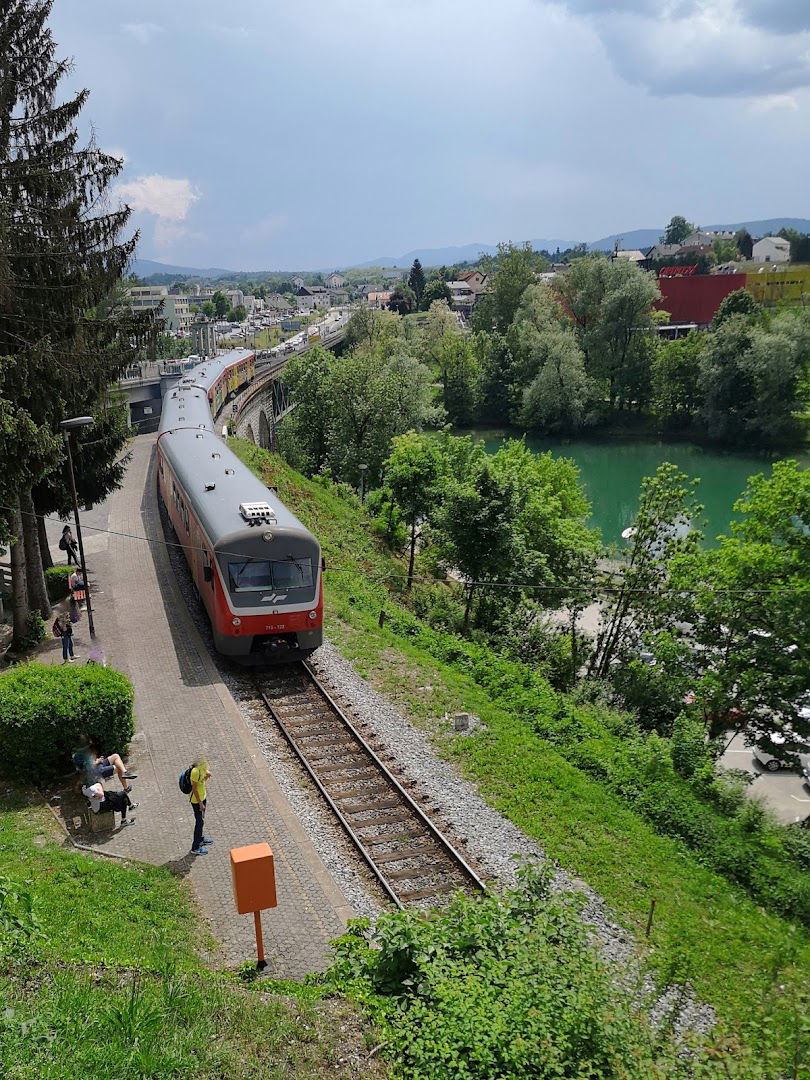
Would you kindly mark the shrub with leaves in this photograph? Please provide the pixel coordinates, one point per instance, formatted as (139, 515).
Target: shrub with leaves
(56, 580)
(500, 986)
(46, 711)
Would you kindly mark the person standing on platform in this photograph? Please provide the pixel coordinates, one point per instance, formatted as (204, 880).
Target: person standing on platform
(63, 628)
(199, 776)
(69, 546)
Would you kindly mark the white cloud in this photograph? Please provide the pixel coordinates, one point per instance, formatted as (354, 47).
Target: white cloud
(169, 200)
(162, 196)
(775, 103)
(143, 31)
(708, 48)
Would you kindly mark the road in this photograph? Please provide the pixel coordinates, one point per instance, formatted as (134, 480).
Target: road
(782, 792)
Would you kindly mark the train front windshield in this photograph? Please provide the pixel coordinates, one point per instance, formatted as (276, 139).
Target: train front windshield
(254, 575)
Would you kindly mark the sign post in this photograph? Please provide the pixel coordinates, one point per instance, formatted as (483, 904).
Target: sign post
(253, 877)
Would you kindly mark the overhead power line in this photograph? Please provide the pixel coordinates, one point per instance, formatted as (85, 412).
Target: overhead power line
(594, 593)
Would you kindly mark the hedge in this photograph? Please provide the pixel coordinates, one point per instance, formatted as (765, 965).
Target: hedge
(47, 710)
(56, 581)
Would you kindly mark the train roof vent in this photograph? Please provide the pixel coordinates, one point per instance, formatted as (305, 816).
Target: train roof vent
(257, 511)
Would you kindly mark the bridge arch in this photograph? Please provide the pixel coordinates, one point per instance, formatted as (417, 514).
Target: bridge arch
(264, 431)
(249, 433)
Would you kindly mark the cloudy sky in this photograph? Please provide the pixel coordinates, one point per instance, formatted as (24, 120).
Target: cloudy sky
(303, 133)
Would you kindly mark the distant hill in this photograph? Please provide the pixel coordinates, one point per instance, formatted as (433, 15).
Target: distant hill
(146, 267)
(446, 256)
(644, 238)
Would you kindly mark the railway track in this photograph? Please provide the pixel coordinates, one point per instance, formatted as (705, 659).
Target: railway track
(410, 858)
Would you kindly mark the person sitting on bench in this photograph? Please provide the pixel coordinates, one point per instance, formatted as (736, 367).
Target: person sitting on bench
(98, 766)
(108, 802)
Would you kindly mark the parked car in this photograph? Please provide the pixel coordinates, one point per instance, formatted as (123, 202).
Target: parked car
(789, 743)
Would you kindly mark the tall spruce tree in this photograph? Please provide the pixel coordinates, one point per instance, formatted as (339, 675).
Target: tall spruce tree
(60, 256)
(416, 280)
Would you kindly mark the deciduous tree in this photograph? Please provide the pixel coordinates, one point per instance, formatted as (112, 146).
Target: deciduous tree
(221, 305)
(436, 289)
(745, 243)
(514, 270)
(676, 391)
(677, 230)
(412, 474)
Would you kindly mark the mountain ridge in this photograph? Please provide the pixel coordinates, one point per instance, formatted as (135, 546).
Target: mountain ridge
(445, 256)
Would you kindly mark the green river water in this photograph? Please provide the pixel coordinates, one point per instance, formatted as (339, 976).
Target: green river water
(612, 471)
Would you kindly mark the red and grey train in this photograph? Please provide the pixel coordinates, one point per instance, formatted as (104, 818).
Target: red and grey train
(258, 570)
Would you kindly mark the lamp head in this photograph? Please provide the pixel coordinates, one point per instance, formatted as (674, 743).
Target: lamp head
(76, 422)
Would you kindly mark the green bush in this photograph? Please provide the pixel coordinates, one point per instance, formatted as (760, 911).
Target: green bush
(46, 710)
(56, 581)
(503, 986)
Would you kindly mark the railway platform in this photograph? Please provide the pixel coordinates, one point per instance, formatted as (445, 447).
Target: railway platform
(182, 710)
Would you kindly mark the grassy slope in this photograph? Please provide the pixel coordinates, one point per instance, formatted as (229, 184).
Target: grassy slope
(706, 929)
(116, 985)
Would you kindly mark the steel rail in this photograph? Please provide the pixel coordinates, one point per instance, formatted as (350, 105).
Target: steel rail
(444, 844)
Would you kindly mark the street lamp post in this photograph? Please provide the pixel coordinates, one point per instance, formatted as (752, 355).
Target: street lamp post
(67, 426)
(362, 470)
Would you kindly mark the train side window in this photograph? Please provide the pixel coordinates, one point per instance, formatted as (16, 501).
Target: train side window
(208, 569)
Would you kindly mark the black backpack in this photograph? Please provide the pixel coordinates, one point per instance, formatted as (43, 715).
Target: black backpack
(184, 781)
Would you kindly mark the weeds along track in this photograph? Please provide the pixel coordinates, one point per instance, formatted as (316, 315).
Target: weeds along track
(410, 858)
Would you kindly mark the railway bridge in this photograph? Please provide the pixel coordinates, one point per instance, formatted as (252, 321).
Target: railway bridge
(144, 385)
(257, 411)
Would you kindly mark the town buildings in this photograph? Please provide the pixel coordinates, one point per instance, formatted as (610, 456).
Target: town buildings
(771, 249)
(172, 308)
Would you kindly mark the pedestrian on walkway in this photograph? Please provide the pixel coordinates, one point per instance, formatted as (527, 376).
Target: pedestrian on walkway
(63, 628)
(199, 776)
(69, 546)
(108, 802)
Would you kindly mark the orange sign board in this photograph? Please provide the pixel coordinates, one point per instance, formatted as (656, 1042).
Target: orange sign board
(254, 878)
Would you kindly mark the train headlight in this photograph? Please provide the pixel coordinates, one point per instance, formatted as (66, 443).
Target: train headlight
(236, 621)
(313, 615)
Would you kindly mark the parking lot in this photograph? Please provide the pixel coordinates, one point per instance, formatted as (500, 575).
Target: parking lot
(783, 792)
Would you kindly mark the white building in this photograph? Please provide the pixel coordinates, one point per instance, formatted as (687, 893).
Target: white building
(236, 298)
(335, 281)
(771, 249)
(176, 313)
(462, 296)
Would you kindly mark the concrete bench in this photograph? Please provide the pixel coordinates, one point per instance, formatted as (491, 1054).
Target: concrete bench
(99, 823)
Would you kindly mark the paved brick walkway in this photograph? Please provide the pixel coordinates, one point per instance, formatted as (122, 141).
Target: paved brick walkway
(182, 710)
